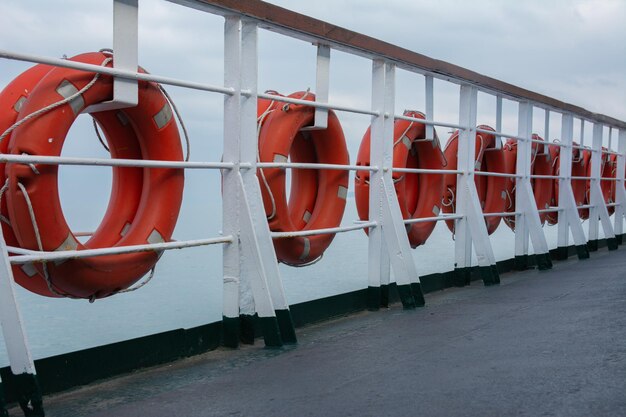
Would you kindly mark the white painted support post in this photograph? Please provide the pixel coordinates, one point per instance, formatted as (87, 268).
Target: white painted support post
(430, 106)
(322, 87)
(383, 204)
(470, 230)
(568, 215)
(230, 183)
(620, 193)
(527, 223)
(266, 270)
(125, 54)
(14, 333)
(247, 263)
(598, 212)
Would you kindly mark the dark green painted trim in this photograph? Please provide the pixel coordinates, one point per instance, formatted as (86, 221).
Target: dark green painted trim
(495, 273)
(230, 334)
(486, 273)
(246, 328)
(25, 390)
(582, 251)
(418, 294)
(3, 409)
(271, 332)
(70, 370)
(592, 245)
(384, 296)
(373, 298)
(562, 253)
(406, 296)
(521, 263)
(612, 243)
(287, 329)
(544, 262)
(462, 276)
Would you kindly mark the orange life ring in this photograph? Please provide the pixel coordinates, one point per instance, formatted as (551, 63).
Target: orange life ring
(318, 197)
(540, 164)
(491, 190)
(419, 195)
(610, 171)
(578, 186)
(144, 203)
(12, 98)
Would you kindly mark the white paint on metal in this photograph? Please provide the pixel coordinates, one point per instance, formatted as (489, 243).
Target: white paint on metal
(430, 106)
(126, 55)
(598, 209)
(11, 322)
(322, 87)
(620, 195)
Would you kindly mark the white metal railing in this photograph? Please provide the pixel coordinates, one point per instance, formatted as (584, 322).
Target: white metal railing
(249, 260)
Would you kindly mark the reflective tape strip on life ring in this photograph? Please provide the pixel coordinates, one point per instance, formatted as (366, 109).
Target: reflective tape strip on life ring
(540, 164)
(144, 202)
(419, 195)
(317, 198)
(491, 190)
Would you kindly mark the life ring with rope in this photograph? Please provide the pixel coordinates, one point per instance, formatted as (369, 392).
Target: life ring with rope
(419, 194)
(540, 164)
(491, 190)
(317, 197)
(144, 202)
(578, 186)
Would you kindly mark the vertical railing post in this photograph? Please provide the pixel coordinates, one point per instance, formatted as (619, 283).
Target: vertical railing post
(264, 271)
(231, 190)
(598, 212)
(246, 288)
(470, 230)
(527, 223)
(568, 212)
(390, 232)
(24, 377)
(620, 193)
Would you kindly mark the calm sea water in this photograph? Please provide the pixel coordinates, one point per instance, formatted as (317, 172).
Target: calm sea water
(187, 288)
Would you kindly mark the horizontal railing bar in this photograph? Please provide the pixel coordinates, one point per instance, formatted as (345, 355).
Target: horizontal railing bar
(430, 122)
(546, 177)
(73, 254)
(434, 219)
(327, 231)
(585, 206)
(116, 72)
(502, 214)
(20, 251)
(296, 25)
(612, 204)
(497, 174)
(550, 210)
(501, 134)
(146, 163)
(307, 165)
(316, 104)
(427, 171)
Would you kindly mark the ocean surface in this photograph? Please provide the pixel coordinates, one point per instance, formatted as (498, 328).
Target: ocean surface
(186, 290)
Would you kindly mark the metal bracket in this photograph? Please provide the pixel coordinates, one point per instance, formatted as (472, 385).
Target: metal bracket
(568, 214)
(126, 52)
(620, 195)
(598, 211)
(322, 87)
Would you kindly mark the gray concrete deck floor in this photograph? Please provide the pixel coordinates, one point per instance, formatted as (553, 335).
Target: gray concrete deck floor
(540, 344)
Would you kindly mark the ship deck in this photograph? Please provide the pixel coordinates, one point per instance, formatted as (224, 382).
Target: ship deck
(541, 343)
